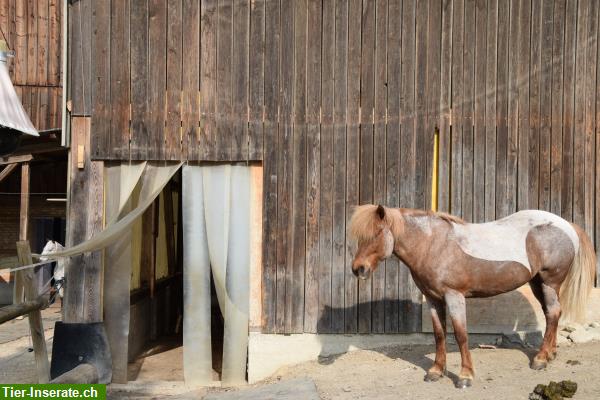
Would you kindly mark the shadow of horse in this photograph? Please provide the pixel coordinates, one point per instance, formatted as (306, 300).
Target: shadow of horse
(401, 329)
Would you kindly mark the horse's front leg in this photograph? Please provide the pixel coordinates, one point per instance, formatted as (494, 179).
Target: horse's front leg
(458, 313)
(438, 319)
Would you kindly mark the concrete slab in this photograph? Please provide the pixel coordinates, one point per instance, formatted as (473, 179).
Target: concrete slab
(294, 389)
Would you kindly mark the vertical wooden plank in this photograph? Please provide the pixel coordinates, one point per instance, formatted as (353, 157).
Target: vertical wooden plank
(157, 83)
(140, 140)
(340, 96)
(190, 79)
(392, 156)
(590, 118)
(379, 160)
(32, 41)
(445, 107)
(535, 73)
(119, 80)
(421, 133)
(557, 109)
(82, 301)
(502, 209)
(172, 144)
(434, 38)
(313, 165)
(256, 80)
(284, 170)
(523, 156)
(491, 90)
(514, 39)
(36, 325)
(295, 297)
(580, 134)
(54, 42)
(367, 100)
(20, 43)
(101, 82)
(568, 104)
(224, 78)
(408, 294)
(208, 78)
(326, 187)
(468, 61)
(82, 43)
(42, 37)
(352, 152)
(479, 134)
(597, 155)
(270, 300)
(5, 22)
(456, 170)
(241, 33)
(546, 103)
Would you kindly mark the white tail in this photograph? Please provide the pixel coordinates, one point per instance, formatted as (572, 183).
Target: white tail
(577, 286)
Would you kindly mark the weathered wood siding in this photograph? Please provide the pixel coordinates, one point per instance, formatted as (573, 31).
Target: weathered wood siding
(339, 99)
(32, 28)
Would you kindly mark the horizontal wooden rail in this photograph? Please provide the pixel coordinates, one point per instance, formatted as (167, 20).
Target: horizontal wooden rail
(16, 310)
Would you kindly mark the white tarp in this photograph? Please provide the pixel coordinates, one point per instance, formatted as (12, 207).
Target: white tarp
(216, 227)
(12, 114)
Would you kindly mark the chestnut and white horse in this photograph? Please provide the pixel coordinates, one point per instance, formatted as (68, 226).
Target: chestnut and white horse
(451, 260)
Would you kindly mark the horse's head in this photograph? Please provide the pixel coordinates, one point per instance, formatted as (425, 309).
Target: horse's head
(371, 228)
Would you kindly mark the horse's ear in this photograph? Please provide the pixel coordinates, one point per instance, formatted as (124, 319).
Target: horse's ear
(381, 211)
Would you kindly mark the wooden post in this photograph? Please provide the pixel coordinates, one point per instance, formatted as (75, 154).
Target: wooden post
(35, 317)
(23, 228)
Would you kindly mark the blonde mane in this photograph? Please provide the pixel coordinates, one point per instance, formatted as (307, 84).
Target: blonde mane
(366, 223)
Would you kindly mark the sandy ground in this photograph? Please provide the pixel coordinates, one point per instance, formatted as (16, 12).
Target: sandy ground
(17, 363)
(397, 373)
(390, 373)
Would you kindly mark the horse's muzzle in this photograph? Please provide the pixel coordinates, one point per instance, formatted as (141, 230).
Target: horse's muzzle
(362, 272)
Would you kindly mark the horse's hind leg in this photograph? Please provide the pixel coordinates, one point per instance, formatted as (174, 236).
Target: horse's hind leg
(548, 297)
(438, 319)
(458, 313)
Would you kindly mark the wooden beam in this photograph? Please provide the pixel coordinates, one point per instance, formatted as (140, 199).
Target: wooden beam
(7, 171)
(24, 213)
(13, 311)
(35, 317)
(18, 290)
(16, 159)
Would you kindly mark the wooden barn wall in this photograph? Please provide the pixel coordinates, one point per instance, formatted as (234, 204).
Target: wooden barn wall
(340, 99)
(32, 28)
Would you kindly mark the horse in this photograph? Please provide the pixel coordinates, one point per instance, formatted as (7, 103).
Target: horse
(53, 246)
(450, 260)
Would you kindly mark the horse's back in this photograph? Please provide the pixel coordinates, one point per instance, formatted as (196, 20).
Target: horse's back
(505, 239)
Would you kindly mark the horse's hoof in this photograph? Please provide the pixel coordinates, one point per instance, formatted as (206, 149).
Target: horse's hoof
(433, 377)
(463, 383)
(538, 364)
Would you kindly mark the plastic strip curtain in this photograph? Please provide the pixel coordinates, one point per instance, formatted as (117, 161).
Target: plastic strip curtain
(216, 224)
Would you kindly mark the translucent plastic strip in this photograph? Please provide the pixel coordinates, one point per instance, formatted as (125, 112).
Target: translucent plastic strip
(222, 194)
(197, 352)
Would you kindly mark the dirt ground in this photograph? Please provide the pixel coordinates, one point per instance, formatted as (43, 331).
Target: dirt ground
(397, 373)
(389, 373)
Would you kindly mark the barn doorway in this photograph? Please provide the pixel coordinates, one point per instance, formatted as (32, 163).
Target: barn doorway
(177, 293)
(157, 315)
